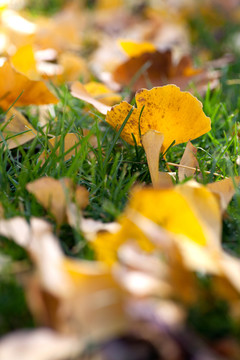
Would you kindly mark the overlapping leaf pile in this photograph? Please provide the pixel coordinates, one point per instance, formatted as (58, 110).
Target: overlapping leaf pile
(162, 258)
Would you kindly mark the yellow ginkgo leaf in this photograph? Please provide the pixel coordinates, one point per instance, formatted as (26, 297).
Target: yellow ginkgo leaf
(133, 48)
(108, 5)
(102, 93)
(190, 212)
(176, 114)
(16, 129)
(24, 62)
(16, 87)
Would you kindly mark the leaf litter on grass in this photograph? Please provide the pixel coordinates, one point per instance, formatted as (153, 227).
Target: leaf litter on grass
(159, 264)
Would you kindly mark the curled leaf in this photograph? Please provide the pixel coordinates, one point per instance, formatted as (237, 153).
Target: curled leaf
(152, 142)
(16, 129)
(225, 189)
(79, 91)
(189, 160)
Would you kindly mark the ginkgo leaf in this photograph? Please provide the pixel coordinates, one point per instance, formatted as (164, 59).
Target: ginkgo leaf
(106, 5)
(80, 92)
(189, 211)
(133, 48)
(71, 145)
(188, 161)
(102, 93)
(155, 68)
(225, 188)
(16, 87)
(78, 297)
(70, 140)
(177, 115)
(16, 130)
(54, 195)
(152, 142)
(73, 68)
(24, 61)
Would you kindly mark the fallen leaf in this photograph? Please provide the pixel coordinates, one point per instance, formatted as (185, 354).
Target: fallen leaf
(102, 93)
(152, 143)
(18, 89)
(157, 68)
(71, 140)
(19, 30)
(225, 189)
(54, 195)
(105, 5)
(189, 160)
(40, 344)
(182, 211)
(80, 297)
(64, 30)
(177, 115)
(24, 62)
(73, 67)
(16, 130)
(79, 91)
(133, 48)
(190, 212)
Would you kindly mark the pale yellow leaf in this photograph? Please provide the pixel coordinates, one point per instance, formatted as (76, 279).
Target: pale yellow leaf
(225, 188)
(18, 130)
(79, 91)
(189, 160)
(152, 143)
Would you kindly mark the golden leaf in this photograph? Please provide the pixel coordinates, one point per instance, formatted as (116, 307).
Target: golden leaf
(14, 85)
(177, 115)
(102, 93)
(73, 67)
(133, 48)
(190, 212)
(24, 61)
